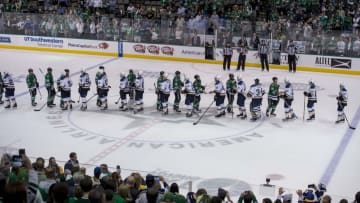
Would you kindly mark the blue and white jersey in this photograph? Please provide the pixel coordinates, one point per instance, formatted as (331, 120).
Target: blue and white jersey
(241, 87)
(312, 92)
(165, 86)
(219, 88)
(343, 95)
(123, 83)
(102, 82)
(66, 83)
(256, 91)
(84, 81)
(139, 83)
(189, 88)
(8, 81)
(289, 91)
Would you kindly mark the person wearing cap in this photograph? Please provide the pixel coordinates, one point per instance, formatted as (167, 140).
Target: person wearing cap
(241, 97)
(9, 86)
(231, 90)
(65, 85)
(49, 84)
(227, 54)
(32, 85)
(159, 80)
(273, 97)
(177, 86)
(139, 91)
(199, 89)
(291, 50)
(256, 93)
(312, 99)
(263, 53)
(84, 87)
(341, 103)
(1, 89)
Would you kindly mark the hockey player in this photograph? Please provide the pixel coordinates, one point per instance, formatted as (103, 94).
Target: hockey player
(139, 92)
(190, 94)
(58, 85)
(219, 97)
(312, 99)
(1, 89)
(230, 92)
(32, 85)
(124, 90)
(9, 86)
(84, 87)
(97, 77)
(103, 88)
(177, 86)
(199, 89)
(65, 86)
(288, 96)
(273, 97)
(159, 80)
(341, 102)
(49, 84)
(256, 93)
(165, 88)
(131, 86)
(241, 89)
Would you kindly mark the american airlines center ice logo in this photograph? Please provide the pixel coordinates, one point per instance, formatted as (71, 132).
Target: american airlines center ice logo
(151, 130)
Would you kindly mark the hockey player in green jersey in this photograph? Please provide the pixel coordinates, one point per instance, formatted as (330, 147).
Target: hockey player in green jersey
(177, 86)
(231, 90)
(1, 89)
(131, 77)
(49, 84)
(273, 97)
(32, 85)
(157, 90)
(199, 89)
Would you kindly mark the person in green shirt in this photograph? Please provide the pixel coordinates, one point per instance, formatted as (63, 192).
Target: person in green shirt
(177, 86)
(49, 84)
(32, 85)
(199, 88)
(231, 90)
(273, 97)
(1, 89)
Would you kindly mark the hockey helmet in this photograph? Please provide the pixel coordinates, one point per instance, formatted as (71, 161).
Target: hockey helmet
(140, 73)
(217, 77)
(122, 74)
(231, 75)
(274, 78)
(186, 77)
(30, 70)
(197, 76)
(177, 72)
(257, 81)
(239, 77)
(67, 70)
(162, 73)
(49, 69)
(311, 81)
(83, 70)
(342, 85)
(286, 80)
(131, 71)
(101, 68)
(166, 75)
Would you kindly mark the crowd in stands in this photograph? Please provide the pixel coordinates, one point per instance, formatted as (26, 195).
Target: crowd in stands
(24, 182)
(322, 23)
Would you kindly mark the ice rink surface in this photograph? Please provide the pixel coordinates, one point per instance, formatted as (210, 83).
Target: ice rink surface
(226, 152)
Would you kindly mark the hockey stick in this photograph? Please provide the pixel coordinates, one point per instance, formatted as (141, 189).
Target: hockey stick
(118, 100)
(91, 97)
(351, 127)
(202, 115)
(39, 93)
(41, 107)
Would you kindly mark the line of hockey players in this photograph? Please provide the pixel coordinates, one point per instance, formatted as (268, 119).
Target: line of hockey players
(132, 86)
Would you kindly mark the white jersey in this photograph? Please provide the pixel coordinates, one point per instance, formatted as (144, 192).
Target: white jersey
(189, 88)
(84, 81)
(102, 82)
(8, 81)
(289, 91)
(123, 83)
(241, 87)
(165, 86)
(219, 88)
(343, 94)
(312, 92)
(256, 91)
(139, 83)
(66, 83)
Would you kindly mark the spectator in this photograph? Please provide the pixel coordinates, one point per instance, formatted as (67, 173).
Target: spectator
(55, 167)
(73, 162)
(247, 197)
(45, 185)
(83, 191)
(357, 197)
(340, 47)
(15, 192)
(96, 196)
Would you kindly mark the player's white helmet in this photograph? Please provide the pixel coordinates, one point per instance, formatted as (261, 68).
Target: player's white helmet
(286, 80)
(122, 74)
(217, 77)
(341, 85)
(140, 73)
(166, 75)
(311, 81)
(186, 77)
(239, 77)
(83, 70)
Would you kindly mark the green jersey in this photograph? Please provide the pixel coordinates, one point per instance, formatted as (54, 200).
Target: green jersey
(31, 80)
(159, 81)
(97, 77)
(231, 86)
(273, 93)
(198, 87)
(49, 80)
(177, 83)
(131, 78)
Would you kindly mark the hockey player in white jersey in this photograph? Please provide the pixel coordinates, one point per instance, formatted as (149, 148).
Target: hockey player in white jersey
(139, 92)
(256, 93)
(65, 88)
(219, 96)
(288, 96)
(8, 84)
(312, 99)
(241, 92)
(84, 87)
(124, 90)
(342, 99)
(165, 89)
(190, 95)
(103, 89)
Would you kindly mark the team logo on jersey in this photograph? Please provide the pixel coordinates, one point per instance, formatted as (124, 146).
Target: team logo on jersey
(103, 45)
(153, 49)
(139, 48)
(340, 63)
(167, 50)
